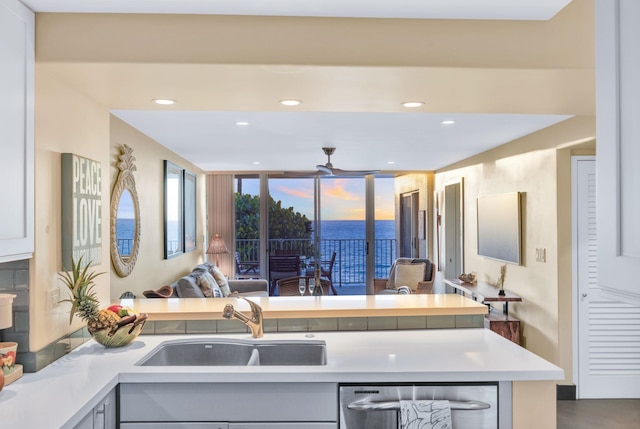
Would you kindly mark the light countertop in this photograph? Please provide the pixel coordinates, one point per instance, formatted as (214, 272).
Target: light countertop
(286, 307)
(61, 393)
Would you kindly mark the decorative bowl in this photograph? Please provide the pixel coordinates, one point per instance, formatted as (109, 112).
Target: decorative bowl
(122, 336)
(467, 278)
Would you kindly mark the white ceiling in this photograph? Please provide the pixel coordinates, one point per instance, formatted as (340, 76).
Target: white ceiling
(291, 140)
(432, 9)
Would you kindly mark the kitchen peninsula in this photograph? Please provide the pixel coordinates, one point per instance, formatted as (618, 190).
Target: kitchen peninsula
(68, 390)
(324, 313)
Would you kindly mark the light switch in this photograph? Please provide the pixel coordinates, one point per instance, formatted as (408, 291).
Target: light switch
(541, 255)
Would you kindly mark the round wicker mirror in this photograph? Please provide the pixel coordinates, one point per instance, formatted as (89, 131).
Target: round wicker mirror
(125, 215)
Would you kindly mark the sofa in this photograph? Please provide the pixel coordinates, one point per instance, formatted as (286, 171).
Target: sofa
(206, 280)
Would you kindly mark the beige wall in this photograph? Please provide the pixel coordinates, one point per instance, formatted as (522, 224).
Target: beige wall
(68, 121)
(539, 167)
(152, 270)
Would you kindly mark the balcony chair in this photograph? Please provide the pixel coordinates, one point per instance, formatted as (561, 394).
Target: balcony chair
(281, 267)
(326, 270)
(247, 269)
(417, 274)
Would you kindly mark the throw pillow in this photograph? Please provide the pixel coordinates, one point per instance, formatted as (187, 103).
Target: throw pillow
(409, 275)
(208, 285)
(187, 288)
(221, 280)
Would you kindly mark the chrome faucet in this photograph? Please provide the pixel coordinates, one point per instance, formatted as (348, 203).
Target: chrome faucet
(255, 323)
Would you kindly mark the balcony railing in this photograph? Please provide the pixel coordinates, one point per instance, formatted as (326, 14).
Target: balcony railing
(350, 264)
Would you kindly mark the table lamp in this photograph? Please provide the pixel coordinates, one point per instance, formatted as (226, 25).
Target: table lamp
(216, 247)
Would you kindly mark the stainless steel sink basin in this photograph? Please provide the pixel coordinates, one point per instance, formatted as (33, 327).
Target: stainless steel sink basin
(217, 352)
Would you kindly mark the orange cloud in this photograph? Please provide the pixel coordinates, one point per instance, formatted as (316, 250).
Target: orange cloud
(336, 189)
(301, 193)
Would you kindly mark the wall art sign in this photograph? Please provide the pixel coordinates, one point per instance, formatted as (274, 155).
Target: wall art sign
(81, 210)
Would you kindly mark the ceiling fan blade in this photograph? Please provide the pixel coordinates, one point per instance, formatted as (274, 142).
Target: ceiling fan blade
(303, 173)
(325, 169)
(339, 172)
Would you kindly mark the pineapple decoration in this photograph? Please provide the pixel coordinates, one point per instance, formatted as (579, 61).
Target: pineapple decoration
(114, 326)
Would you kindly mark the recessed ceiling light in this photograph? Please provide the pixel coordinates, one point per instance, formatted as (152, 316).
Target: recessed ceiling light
(242, 123)
(256, 163)
(391, 162)
(290, 102)
(164, 101)
(448, 122)
(412, 104)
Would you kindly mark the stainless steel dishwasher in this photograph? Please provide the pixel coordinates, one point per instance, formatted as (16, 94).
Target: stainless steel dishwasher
(473, 405)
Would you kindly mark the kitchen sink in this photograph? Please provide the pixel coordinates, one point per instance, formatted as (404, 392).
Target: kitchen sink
(225, 352)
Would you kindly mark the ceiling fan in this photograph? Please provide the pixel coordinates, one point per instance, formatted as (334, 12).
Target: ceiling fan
(329, 170)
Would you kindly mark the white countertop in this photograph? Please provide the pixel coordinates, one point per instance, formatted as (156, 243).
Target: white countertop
(61, 393)
(284, 307)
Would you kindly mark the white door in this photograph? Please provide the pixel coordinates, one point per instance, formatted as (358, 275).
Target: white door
(453, 238)
(608, 363)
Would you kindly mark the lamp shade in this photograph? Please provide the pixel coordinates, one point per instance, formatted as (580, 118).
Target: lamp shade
(217, 245)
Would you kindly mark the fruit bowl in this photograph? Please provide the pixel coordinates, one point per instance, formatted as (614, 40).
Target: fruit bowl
(121, 336)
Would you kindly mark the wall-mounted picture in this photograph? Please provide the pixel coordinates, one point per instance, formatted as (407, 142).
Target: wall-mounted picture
(499, 226)
(422, 215)
(179, 210)
(173, 210)
(81, 210)
(189, 211)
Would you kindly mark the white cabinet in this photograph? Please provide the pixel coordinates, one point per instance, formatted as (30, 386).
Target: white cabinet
(103, 415)
(16, 130)
(618, 150)
(238, 405)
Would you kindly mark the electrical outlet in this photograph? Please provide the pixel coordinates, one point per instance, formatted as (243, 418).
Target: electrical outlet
(541, 255)
(53, 298)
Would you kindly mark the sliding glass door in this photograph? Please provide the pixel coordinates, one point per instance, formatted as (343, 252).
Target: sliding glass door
(355, 220)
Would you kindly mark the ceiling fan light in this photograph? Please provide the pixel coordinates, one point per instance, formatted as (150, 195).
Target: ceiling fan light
(290, 102)
(164, 101)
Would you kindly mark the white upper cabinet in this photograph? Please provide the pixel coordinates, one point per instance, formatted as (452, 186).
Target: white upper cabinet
(618, 147)
(16, 130)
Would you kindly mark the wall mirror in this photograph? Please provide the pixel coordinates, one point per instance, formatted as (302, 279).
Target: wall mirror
(125, 215)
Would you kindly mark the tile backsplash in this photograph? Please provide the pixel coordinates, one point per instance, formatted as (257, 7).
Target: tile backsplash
(14, 279)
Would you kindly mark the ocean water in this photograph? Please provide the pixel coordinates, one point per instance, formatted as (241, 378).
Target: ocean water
(347, 229)
(124, 234)
(347, 239)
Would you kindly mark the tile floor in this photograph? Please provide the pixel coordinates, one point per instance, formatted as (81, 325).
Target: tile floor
(599, 414)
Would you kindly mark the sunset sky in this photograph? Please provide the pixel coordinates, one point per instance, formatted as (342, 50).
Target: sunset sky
(341, 199)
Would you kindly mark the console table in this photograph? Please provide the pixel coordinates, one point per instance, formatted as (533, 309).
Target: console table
(501, 323)
(484, 293)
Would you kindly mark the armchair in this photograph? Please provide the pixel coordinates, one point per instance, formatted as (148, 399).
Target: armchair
(407, 275)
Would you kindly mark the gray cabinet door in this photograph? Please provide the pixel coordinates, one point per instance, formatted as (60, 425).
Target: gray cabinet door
(16, 130)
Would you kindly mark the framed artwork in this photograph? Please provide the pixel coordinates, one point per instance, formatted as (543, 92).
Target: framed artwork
(81, 189)
(422, 214)
(173, 210)
(189, 211)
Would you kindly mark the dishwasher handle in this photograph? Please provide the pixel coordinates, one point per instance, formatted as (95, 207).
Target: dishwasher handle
(395, 405)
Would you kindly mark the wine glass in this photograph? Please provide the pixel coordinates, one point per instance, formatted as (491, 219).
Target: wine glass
(301, 286)
(312, 285)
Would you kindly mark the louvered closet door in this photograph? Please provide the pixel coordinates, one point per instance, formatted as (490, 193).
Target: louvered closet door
(608, 331)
